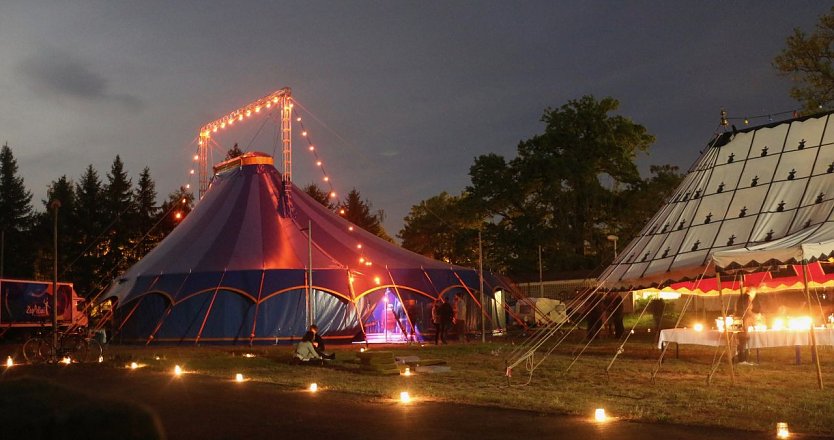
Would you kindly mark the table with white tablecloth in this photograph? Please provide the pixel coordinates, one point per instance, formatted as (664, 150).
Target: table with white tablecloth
(755, 339)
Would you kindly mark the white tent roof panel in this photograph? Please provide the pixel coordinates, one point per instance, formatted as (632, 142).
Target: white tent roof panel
(757, 195)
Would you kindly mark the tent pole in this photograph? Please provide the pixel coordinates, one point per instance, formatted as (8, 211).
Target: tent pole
(310, 318)
(353, 300)
(409, 338)
(810, 312)
(726, 328)
(481, 279)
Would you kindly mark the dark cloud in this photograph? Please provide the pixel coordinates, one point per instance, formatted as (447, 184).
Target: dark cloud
(51, 71)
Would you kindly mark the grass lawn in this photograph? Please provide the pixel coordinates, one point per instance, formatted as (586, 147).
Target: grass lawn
(774, 390)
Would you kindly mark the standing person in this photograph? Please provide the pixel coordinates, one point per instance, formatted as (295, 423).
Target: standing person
(747, 307)
(657, 306)
(460, 317)
(615, 314)
(435, 319)
(445, 315)
(597, 309)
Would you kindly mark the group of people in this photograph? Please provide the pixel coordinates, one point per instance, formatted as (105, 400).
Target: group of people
(446, 316)
(605, 310)
(311, 346)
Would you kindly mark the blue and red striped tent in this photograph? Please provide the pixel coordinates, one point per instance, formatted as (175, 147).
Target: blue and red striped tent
(236, 271)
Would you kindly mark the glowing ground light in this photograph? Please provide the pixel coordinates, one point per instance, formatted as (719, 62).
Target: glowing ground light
(238, 377)
(698, 327)
(248, 355)
(9, 362)
(134, 365)
(782, 430)
(361, 350)
(66, 360)
(599, 415)
(100, 359)
(177, 370)
(407, 371)
(404, 397)
(313, 387)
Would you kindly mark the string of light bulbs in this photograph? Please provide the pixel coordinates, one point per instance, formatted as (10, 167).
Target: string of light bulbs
(363, 259)
(725, 119)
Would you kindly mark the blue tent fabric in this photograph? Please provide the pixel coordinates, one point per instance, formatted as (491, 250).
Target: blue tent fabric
(235, 270)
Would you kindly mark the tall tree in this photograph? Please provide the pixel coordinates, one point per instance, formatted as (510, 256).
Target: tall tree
(62, 190)
(558, 192)
(358, 212)
(443, 227)
(145, 236)
(320, 195)
(15, 217)
(174, 210)
(118, 205)
(807, 60)
(91, 229)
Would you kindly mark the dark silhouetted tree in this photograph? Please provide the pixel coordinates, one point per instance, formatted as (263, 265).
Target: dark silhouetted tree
(15, 219)
(358, 212)
(807, 60)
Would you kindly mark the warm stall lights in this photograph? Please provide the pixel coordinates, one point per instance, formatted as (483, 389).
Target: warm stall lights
(698, 327)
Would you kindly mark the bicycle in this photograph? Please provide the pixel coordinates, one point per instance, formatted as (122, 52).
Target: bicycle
(76, 344)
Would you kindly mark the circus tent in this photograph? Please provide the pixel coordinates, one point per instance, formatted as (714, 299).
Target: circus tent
(758, 202)
(258, 259)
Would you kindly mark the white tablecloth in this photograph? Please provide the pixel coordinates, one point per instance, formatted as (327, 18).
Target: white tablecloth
(711, 338)
(789, 338)
(765, 339)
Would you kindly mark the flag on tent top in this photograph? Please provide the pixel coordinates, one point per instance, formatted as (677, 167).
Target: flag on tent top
(757, 197)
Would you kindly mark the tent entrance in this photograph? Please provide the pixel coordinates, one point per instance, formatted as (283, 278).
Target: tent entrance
(384, 319)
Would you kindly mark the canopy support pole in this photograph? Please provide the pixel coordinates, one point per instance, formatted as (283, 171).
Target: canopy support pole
(621, 349)
(810, 312)
(410, 337)
(726, 329)
(353, 300)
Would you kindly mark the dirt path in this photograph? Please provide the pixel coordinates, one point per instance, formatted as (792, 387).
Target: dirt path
(200, 407)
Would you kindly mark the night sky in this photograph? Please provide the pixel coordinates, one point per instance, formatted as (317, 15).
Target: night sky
(400, 97)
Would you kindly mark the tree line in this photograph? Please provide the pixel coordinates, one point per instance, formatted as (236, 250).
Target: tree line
(105, 224)
(574, 189)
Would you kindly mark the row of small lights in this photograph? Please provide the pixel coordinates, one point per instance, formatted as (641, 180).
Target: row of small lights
(254, 109)
(363, 260)
(600, 416)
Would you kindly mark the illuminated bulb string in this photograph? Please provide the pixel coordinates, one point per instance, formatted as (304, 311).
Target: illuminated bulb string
(363, 260)
(230, 120)
(312, 149)
(770, 117)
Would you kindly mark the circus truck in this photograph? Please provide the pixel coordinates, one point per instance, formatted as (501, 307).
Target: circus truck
(28, 304)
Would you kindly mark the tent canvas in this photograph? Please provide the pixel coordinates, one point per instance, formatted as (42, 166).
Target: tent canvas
(236, 270)
(755, 198)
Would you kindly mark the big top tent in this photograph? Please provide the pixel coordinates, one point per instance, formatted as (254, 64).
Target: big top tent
(258, 260)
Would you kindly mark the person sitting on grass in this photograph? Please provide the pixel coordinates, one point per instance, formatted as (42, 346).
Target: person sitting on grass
(312, 343)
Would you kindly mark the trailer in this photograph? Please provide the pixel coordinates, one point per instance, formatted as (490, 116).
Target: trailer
(28, 303)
